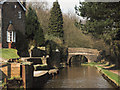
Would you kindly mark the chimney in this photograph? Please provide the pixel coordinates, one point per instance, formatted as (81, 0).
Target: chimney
(23, 2)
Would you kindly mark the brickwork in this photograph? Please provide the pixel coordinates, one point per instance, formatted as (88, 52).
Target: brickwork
(0, 26)
(4, 69)
(15, 69)
(27, 76)
(9, 70)
(10, 13)
(3, 72)
(0, 45)
(23, 75)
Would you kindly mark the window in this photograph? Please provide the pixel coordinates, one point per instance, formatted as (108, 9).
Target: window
(19, 15)
(10, 21)
(15, 6)
(8, 36)
(11, 36)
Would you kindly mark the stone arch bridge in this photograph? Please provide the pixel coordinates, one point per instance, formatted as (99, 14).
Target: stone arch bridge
(90, 54)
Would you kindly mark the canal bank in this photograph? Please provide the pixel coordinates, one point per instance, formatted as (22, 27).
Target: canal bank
(109, 78)
(112, 78)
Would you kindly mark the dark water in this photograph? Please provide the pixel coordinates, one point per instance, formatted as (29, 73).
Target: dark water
(78, 76)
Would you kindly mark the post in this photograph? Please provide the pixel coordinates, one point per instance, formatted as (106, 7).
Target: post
(27, 75)
(9, 45)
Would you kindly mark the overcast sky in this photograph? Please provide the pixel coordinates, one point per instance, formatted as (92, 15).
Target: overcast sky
(65, 5)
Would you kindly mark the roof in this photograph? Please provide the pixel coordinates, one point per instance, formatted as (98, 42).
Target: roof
(3, 1)
(10, 27)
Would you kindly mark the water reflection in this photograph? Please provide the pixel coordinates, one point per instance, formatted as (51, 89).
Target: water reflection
(77, 76)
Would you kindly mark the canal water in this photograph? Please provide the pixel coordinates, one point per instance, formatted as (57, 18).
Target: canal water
(77, 76)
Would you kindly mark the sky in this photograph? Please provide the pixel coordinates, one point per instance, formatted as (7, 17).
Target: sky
(65, 5)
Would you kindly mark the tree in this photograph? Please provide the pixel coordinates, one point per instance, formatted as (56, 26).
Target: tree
(34, 32)
(56, 21)
(42, 13)
(102, 18)
(103, 21)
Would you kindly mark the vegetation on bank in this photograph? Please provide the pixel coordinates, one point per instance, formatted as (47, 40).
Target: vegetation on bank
(101, 67)
(8, 53)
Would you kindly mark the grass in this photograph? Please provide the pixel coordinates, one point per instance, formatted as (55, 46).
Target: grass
(17, 77)
(8, 53)
(114, 77)
(90, 64)
(3, 85)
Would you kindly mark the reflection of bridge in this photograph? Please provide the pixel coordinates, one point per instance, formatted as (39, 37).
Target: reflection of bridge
(90, 54)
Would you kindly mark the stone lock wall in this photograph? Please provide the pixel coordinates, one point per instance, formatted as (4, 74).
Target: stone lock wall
(9, 70)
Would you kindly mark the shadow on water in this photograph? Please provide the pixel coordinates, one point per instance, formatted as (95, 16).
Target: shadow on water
(77, 76)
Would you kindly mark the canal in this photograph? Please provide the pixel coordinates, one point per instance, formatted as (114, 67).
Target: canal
(77, 76)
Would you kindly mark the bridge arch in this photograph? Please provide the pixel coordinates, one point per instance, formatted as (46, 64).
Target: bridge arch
(90, 54)
(79, 58)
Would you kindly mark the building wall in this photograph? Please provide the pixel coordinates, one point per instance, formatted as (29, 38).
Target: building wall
(0, 26)
(10, 13)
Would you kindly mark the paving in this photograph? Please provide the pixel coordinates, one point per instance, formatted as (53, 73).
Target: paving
(3, 60)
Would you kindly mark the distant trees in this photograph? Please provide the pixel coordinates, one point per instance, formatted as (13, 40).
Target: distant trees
(103, 22)
(56, 21)
(34, 32)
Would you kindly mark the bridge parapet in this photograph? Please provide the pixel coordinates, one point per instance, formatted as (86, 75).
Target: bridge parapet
(90, 54)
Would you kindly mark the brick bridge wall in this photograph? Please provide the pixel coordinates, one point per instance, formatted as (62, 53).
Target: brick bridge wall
(90, 54)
